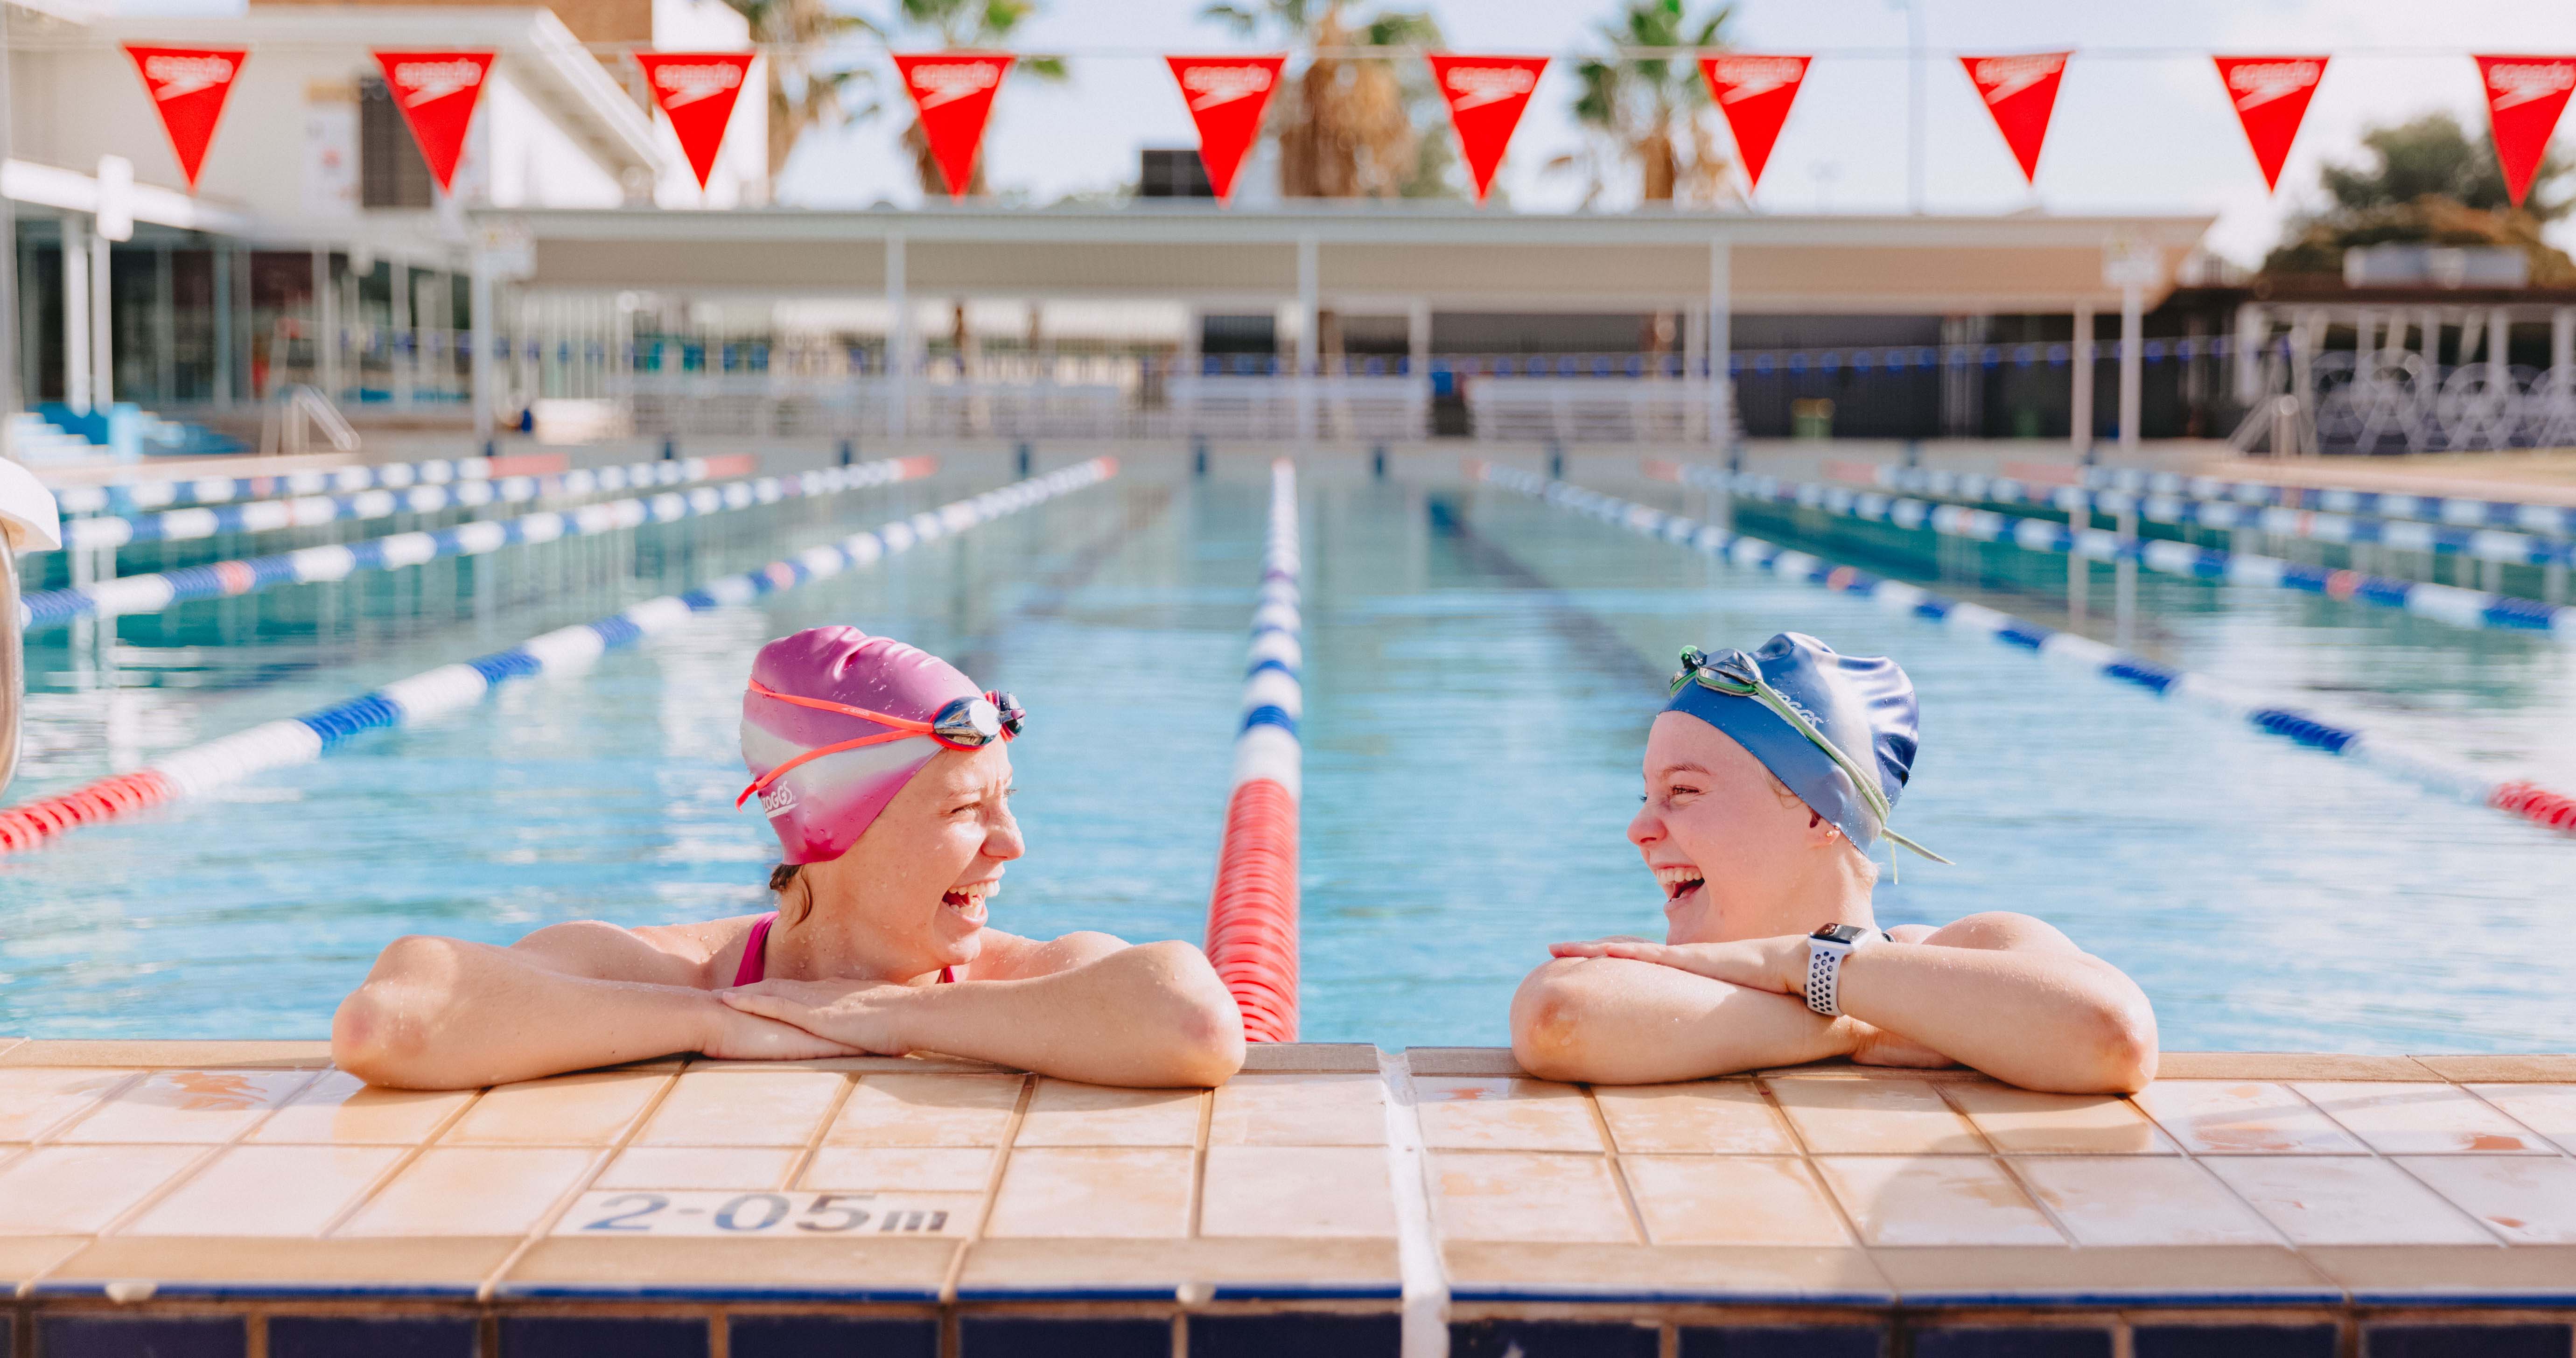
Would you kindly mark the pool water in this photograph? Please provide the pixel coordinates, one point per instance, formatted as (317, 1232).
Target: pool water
(1479, 672)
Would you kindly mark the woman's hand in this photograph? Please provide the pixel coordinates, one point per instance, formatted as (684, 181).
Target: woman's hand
(1778, 965)
(734, 1034)
(858, 1019)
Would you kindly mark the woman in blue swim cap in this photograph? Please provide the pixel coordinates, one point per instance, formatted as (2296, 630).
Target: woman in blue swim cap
(1768, 776)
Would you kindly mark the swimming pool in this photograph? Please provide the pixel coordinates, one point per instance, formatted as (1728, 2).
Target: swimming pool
(1479, 669)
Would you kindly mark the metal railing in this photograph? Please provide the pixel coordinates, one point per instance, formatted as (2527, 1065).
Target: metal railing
(294, 414)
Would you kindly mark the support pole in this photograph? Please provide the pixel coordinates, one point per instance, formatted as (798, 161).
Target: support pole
(478, 320)
(326, 323)
(1417, 362)
(2562, 338)
(2079, 363)
(898, 341)
(1309, 333)
(219, 259)
(402, 342)
(76, 388)
(2133, 358)
(165, 329)
(1721, 339)
(2500, 341)
(102, 324)
(2253, 327)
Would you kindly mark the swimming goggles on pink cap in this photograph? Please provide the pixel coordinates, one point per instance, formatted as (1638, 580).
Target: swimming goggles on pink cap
(963, 724)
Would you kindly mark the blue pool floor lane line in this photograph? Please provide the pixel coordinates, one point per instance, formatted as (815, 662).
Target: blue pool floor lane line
(2446, 603)
(2524, 800)
(301, 740)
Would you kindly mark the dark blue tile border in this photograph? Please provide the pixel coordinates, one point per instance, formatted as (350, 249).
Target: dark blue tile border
(718, 1292)
(832, 1337)
(295, 1336)
(2234, 1341)
(604, 1337)
(1606, 1338)
(1662, 1296)
(112, 1336)
(1981, 1341)
(1784, 1341)
(1062, 1337)
(2465, 1341)
(1307, 1292)
(2130, 1301)
(1294, 1334)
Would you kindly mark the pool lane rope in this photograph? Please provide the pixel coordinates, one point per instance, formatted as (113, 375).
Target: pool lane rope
(261, 516)
(312, 565)
(198, 769)
(2525, 800)
(2556, 520)
(128, 496)
(2446, 603)
(1252, 913)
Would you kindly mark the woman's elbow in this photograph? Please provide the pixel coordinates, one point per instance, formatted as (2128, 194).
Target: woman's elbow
(2119, 1046)
(381, 1032)
(1204, 1025)
(1547, 1020)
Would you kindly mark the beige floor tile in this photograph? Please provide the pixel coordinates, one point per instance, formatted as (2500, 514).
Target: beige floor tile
(473, 1190)
(2345, 1200)
(567, 1110)
(2527, 1201)
(723, 1214)
(2547, 1109)
(1299, 1110)
(1732, 1200)
(1874, 1117)
(1504, 1114)
(1297, 1191)
(2421, 1119)
(78, 1190)
(268, 1191)
(1507, 1195)
(35, 1100)
(1064, 1113)
(927, 1110)
(2140, 1200)
(1719, 1117)
(746, 1168)
(1935, 1200)
(187, 1106)
(2023, 1122)
(341, 1109)
(739, 1106)
(1103, 1191)
(2244, 1117)
(928, 1169)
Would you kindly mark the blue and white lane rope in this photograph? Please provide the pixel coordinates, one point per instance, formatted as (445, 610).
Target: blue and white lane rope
(2447, 603)
(261, 516)
(301, 740)
(155, 592)
(2461, 511)
(1252, 913)
(2526, 800)
(2483, 544)
(130, 496)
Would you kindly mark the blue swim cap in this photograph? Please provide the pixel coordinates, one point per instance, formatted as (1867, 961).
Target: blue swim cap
(1863, 704)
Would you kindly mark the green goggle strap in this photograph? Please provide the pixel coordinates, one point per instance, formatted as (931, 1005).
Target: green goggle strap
(1695, 666)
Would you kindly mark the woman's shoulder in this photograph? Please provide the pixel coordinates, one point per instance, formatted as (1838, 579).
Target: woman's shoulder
(1997, 930)
(710, 949)
(1010, 957)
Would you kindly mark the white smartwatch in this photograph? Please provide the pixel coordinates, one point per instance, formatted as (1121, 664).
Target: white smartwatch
(1826, 949)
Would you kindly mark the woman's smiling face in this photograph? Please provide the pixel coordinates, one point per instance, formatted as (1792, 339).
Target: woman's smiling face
(1727, 844)
(918, 879)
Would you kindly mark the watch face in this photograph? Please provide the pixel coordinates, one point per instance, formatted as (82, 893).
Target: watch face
(1841, 933)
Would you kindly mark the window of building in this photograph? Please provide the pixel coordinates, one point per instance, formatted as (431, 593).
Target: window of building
(391, 173)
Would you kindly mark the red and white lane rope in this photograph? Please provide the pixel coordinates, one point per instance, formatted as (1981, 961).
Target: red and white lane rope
(1252, 915)
(569, 650)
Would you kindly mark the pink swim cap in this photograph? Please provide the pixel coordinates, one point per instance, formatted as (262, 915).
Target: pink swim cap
(820, 807)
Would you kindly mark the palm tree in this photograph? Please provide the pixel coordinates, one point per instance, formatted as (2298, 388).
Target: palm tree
(1347, 128)
(1654, 111)
(955, 24)
(804, 91)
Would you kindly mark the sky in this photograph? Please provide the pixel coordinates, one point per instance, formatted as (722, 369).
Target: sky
(2141, 125)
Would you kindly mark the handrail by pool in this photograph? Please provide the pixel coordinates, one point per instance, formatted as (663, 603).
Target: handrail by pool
(2447, 603)
(1252, 912)
(301, 740)
(250, 575)
(2526, 800)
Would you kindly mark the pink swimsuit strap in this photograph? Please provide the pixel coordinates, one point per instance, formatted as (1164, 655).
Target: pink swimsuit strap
(755, 955)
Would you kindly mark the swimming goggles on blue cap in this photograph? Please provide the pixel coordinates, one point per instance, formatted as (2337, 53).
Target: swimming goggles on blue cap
(1736, 674)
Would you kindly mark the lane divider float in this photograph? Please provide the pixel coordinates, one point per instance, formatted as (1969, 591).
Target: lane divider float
(155, 592)
(2446, 603)
(261, 516)
(229, 759)
(2526, 800)
(130, 496)
(1252, 913)
(2559, 520)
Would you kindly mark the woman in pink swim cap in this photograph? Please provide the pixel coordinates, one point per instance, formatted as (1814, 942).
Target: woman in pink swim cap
(886, 775)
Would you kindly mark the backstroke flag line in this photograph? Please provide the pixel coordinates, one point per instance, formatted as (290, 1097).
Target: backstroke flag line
(952, 92)
(2271, 96)
(2525, 95)
(697, 92)
(2021, 92)
(1226, 96)
(1754, 92)
(1486, 97)
(437, 92)
(188, 86)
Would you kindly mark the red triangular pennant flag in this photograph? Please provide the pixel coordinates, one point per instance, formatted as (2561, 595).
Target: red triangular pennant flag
(2271, 95)
(2020, 92)
(953, 94)
(1754, 92)
(437, 92)
(1226, 96)
(1486, 96)
(696, 91)
(2525, 95)
(188, 87)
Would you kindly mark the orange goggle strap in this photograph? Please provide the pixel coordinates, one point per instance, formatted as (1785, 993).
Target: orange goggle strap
(905, 728)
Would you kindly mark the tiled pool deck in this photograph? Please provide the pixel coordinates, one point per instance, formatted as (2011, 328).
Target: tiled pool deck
(243, 1200)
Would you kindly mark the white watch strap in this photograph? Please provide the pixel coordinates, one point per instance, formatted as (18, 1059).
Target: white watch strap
(1825, 972)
